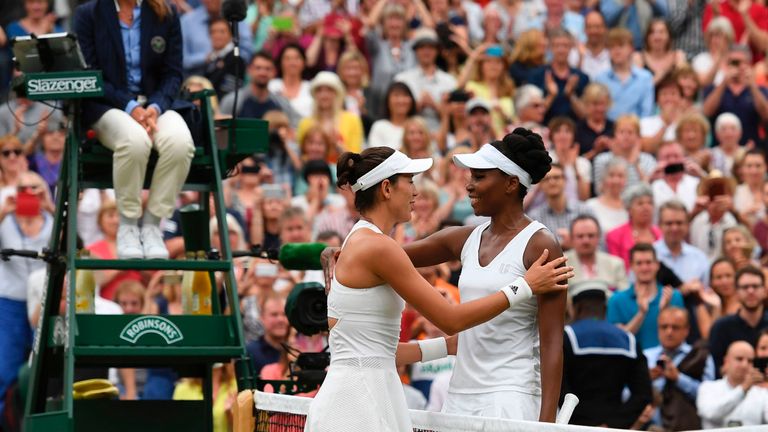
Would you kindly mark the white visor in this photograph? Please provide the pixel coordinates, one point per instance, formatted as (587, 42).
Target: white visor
(489, 157)
(398, 163)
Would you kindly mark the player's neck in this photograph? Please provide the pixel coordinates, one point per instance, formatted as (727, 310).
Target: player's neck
(508, 220)
(380, 217)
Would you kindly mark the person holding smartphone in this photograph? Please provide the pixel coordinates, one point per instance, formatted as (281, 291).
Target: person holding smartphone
(739, 398)
(729, 95)
(27, 226)
(675, 177)
(677, 370)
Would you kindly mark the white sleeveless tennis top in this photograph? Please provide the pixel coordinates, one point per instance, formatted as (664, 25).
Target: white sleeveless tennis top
(368, 318)
(503, 353)
(362, 391)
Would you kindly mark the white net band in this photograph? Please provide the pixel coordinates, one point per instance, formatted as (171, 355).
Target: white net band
(276, 412)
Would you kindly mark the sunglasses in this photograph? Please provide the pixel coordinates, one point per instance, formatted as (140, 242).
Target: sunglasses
(7, 153)
(27, 188)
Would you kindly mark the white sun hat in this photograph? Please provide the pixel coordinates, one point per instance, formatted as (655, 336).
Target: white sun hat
(489, 157)
(398, 163)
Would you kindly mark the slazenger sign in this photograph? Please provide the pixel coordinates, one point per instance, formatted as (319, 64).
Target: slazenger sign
(141, 326)
(53, 86)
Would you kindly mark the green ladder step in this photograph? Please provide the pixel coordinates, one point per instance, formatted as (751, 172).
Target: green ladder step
(153, 356)
(101, 415)
(196, 265)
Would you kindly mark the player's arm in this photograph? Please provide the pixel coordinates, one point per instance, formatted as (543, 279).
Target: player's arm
(551, 315)
(389, 262)
(442, 246)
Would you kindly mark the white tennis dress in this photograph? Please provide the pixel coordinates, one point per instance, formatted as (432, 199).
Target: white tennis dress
(362, 391)
(497, 366)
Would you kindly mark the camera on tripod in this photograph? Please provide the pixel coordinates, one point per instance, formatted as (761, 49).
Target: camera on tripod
(307, 312)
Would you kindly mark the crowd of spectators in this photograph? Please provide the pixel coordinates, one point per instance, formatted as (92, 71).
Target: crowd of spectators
(654, 113)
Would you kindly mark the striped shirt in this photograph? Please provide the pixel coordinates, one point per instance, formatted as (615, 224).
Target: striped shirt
(555, 221)
(685, 22)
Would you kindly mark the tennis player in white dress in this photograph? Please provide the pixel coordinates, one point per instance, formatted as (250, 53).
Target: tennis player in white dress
(372, 279)
(510, 366)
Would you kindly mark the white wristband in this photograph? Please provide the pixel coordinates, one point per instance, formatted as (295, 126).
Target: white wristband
(433, 349)
(518, 291)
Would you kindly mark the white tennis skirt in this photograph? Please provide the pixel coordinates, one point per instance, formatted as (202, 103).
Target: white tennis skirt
(360, 394)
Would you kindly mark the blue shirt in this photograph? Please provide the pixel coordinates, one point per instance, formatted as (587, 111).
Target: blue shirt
(687, 384)
(742, 105)
(574, 23)
(262, 354)
(692, 263)
(561, 105)
(614, 9)
(197, 41)
(633, 96)
(622, 307)
(131, 35)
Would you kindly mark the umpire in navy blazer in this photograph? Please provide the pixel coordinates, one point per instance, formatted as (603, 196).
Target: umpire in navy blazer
(137, 45)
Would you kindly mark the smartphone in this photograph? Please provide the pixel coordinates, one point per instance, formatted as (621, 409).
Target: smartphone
(760, 363)
(458, 96)
(674, 168)
(273, 191)
(250, 169)
(27, 204)
(265, 269)
(282, 23)
(661, 363)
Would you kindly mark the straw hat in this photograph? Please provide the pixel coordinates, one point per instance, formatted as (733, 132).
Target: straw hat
(715, 179)
(327, 79)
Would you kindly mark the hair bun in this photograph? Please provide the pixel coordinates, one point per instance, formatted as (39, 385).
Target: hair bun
(354, 158)
(523, 132)
(530, 136)
(346, 168)
(526, 148)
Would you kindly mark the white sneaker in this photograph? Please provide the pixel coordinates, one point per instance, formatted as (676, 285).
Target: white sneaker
(128, 242)
(152, 241)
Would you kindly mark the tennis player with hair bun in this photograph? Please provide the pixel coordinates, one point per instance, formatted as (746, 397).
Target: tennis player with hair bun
(510, 366)
(374, 277)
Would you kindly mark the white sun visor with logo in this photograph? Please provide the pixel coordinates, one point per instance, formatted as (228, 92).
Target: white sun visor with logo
(489, 157)
(398, 163)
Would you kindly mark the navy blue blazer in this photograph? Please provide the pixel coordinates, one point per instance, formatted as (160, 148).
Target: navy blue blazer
(98, 31)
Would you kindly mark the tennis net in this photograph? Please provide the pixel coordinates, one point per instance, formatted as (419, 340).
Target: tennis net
(282, 413)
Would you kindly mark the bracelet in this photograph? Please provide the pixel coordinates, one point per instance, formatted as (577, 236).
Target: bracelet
(518, 291)
(433, 349)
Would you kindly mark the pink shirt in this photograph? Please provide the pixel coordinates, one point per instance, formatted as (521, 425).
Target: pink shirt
(620, 240)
